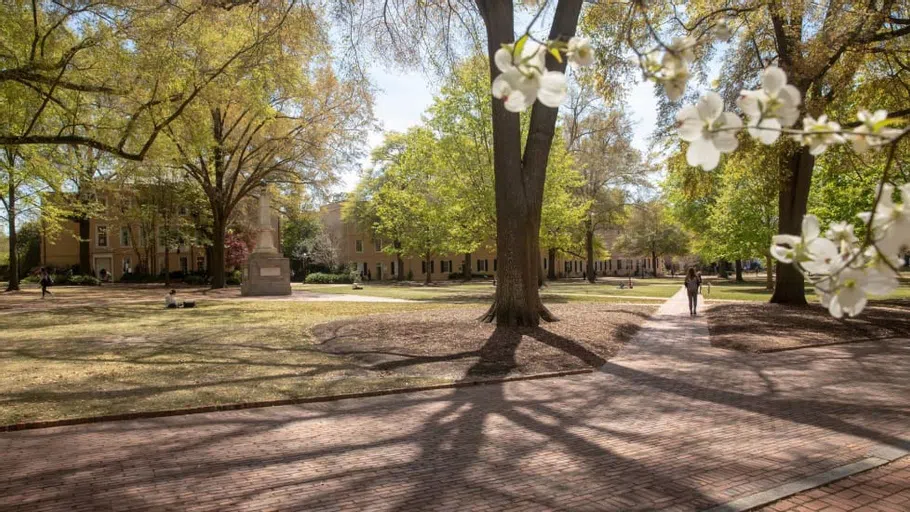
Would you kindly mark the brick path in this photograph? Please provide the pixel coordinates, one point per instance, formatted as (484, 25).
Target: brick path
(670, 424)
(883, 489)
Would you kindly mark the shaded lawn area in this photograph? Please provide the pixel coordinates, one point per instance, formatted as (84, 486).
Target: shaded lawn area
(754, 289)
(125, 356)
(763, 327)
(569, 290)
(453, 344)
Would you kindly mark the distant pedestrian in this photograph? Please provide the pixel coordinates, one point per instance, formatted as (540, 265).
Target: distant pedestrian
(45, 279)
(693, 286)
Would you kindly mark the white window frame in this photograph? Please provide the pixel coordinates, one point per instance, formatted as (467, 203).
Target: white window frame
(358, 246)
(107, 236)
(377, 245)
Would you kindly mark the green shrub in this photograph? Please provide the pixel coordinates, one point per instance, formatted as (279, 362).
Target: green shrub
(459, 275)
(323, 278)
(77, 280)
(233, 278)
(200, 279)
(137, 277)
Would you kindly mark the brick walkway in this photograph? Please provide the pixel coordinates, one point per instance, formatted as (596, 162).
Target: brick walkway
(670, 424)
(883, 489)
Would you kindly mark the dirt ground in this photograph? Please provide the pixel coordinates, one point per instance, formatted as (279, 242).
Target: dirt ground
(763, 327)
(452, 343)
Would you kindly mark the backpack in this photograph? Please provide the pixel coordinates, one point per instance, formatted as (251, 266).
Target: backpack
(692, 285)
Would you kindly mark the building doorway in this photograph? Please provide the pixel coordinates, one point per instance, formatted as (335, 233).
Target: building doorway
(104, 263)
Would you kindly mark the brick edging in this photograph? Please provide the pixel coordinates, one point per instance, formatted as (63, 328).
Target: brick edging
(276, 403)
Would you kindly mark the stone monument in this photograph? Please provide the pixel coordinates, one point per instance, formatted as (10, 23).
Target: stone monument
(267, 272)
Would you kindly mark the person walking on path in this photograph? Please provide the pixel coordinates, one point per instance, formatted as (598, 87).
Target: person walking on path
(693, 286)
(45, 279)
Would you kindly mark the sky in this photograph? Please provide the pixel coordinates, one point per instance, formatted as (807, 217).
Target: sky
(404, 96)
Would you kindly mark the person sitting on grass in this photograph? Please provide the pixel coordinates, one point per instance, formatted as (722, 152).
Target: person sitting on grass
(170, 300)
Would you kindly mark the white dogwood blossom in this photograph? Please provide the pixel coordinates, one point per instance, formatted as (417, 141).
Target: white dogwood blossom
(709, 130)
(890, 221)
(579, 52)
(524, 78)
(810, 250)
(847, 295)
(841, 233)
(774, 106)
(873, 131)
(819, 133)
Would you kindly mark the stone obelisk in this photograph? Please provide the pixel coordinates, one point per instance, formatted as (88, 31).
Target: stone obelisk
(267, 272)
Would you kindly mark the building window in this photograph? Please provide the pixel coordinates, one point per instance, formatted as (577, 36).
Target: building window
(423, 267)
(393, 269)
(568, 268)
(200, 263)
(101, 240)
(358, 245)
(379, 271)
(494, 264)
(125, 236)
(184, 264)
(482, 265)
(618, 264)
(377, 245)
(444, 266)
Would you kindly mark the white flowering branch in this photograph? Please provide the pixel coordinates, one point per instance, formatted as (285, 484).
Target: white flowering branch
(843, 269)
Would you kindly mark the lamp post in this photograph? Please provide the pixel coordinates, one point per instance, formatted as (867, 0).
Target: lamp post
(304, 266)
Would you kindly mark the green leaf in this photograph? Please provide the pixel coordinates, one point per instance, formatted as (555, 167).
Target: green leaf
(520, 44)
(556, 55)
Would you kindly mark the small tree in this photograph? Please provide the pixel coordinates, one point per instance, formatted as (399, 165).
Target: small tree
(651, 234)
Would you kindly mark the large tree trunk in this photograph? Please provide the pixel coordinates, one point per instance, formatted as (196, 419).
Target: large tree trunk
(589, 254)
(85, 249)
(426, 275)
(739, 271)
(519, 181)
(13, 284)
(790, 287)
(467, 266)
(654, 263)
(216, 265)
(551, 262)
(769, 273)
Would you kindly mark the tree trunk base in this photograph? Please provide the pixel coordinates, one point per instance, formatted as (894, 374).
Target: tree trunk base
(516, 319)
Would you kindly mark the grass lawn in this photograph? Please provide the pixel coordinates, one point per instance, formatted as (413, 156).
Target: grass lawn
(110, 349)
(574, 290)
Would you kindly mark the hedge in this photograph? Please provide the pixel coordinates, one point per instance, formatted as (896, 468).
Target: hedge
(460, 275)
(323, 278)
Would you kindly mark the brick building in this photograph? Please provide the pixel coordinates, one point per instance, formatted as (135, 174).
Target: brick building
(367, 253)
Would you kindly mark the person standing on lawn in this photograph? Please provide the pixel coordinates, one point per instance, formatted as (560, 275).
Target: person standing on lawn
(693, 286)
(45, 279)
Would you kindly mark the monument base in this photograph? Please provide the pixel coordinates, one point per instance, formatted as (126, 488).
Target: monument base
(266, 274)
